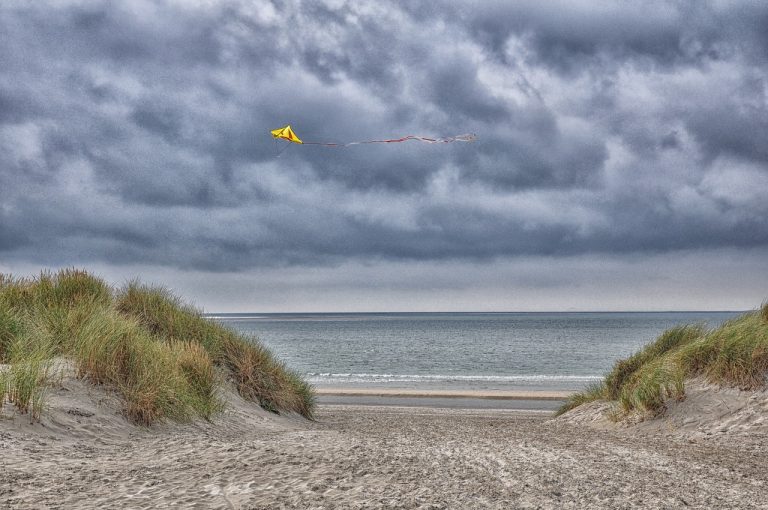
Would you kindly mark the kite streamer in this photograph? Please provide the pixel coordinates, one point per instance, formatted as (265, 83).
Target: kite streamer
(286, 133)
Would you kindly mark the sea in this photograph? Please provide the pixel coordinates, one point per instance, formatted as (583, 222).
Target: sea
(459, 351)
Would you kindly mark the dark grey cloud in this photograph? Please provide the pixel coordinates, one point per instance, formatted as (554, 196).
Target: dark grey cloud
(137, 132)
(579, 36)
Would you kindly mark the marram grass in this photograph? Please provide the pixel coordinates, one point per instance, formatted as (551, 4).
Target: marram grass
(160, 355)
(114, 350)
(595, 391)
(166, 317)
(25, 378)
(668, 341)
(254, 371)
(735, 354)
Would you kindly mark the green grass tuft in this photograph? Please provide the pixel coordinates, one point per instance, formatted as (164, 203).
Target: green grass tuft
(66, 288)
(735, 354)
(25, 383)
(649, 388)
(114, 350)
(160, 355)
(165, 316)
(595, 391)
(257, 375)
(29, 357)
(668, 341)
(201, 376)
(11, 327)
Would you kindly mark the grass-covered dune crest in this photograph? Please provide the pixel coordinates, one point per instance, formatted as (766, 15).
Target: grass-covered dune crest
(732, 355)
(160, 355)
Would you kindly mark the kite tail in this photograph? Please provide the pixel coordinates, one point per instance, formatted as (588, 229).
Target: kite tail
(469, 137)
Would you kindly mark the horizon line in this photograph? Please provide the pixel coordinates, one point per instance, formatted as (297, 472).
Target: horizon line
(475, 312)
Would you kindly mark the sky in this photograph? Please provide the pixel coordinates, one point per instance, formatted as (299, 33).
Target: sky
(621, 160)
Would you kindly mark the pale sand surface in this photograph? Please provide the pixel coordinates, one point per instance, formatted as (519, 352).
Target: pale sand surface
(86, 456)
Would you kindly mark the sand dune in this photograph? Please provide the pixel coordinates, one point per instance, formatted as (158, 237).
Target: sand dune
(707, 410)
(84, 455)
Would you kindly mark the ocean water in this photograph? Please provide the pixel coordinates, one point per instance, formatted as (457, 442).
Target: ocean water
(477, 351)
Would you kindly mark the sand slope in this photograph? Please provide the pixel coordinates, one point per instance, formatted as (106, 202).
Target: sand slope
(79, 411)
(365, 457)
(707, 410)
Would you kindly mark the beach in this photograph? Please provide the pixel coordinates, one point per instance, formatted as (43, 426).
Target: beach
(117, 413)
(323, 254)
(87, 456)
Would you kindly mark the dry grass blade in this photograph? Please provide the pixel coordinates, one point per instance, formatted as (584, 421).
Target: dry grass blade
(735, 354)
(162, 356)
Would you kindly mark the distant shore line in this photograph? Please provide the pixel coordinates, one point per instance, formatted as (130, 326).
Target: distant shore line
(300, 316)
(478, 394)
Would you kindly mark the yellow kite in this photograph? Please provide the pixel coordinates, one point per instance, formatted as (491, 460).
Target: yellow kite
(286, 133)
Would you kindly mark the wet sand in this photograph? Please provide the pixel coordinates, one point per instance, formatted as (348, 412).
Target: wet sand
(532, 405)
(464, 394)
(546, 401)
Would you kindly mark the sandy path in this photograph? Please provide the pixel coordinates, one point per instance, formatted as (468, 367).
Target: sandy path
(374, 457)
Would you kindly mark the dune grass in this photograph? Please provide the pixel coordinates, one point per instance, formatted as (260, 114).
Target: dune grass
(735, 354)
(671, 339)
(160, 355)
(166, 317)
(25, 380)
(114, 350)
(11, 327)
(595, 391)
(255, 372)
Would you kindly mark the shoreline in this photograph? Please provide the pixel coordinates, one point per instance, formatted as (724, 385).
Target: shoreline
(451, 394)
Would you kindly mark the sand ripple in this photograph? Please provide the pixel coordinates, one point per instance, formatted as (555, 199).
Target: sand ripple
(377, 457)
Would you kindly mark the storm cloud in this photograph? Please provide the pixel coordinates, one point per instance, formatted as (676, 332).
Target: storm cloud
(136, 132)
